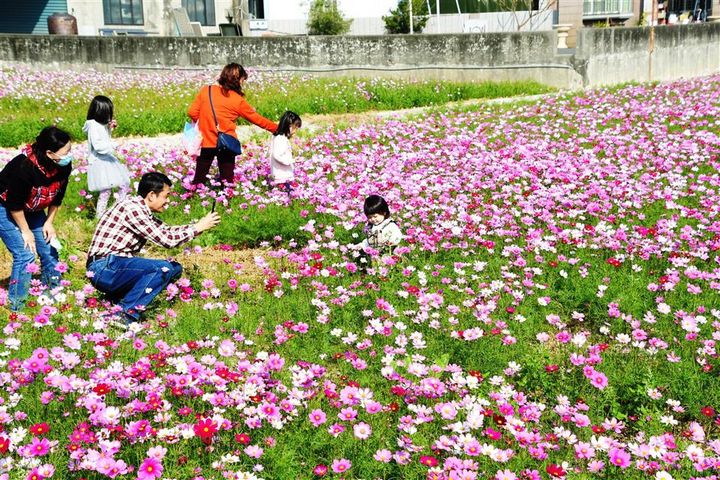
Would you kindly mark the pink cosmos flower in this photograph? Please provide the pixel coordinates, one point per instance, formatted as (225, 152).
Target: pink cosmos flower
(362, 430)
(150, 469)
(619, 457)
(32, 268)
(254, 451)
(320, 470)
(348, 414)
(472, 448)
(39, 447)
(336, 429)
(596, 466)
(317, 417)
(584, 450)
(505, 475)
(384, 455)
(599, 380)
(341, 465)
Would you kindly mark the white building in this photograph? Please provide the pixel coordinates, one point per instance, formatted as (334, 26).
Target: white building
(255, 17)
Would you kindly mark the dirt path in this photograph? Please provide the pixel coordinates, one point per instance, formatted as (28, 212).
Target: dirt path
(317, 123)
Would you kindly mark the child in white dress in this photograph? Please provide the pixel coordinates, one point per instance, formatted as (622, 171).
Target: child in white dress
(282, 164)
(105, 171)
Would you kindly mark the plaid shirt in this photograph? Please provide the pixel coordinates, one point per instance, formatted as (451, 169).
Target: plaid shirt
(124, 229)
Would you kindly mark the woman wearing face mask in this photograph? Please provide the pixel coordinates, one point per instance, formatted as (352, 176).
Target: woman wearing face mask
(33, 181)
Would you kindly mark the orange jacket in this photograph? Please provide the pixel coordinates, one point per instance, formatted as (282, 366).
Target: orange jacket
(227, 109)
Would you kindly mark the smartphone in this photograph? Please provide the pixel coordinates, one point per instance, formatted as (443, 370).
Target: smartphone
(213, 206)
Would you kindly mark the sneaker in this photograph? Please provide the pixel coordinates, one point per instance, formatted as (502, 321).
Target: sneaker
(121, 320)
(119, 324)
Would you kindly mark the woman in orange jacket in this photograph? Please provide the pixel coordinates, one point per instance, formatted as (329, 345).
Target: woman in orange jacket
(229, 102)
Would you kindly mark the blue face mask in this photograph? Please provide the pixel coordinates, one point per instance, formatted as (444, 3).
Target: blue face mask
(64, 161)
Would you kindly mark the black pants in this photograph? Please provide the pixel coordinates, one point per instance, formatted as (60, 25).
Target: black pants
(226, 165)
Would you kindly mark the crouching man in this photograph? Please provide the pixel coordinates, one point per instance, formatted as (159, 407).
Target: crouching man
(129, 281)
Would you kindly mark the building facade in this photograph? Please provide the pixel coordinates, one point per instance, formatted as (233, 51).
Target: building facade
(289, 17)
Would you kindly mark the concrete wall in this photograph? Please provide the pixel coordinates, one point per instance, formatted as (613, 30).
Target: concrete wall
(603, 56)
(492, 49)
(606, 56)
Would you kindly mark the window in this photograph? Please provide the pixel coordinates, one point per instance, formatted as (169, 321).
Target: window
(256, 8)
(123, 12)
(202, 11)
(697, 9)
(607, 8)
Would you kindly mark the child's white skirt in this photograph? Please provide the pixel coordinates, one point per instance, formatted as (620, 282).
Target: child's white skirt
(103, 175)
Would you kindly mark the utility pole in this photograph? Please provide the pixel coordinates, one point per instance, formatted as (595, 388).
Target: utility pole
(410, 2)
(651, 46)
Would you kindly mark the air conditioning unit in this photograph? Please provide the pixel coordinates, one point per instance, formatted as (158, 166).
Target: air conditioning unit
(473, 25)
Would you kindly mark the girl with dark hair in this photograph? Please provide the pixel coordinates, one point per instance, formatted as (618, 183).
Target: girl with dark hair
(105, 171)
(229, 104)
(34, 181)
(281, 160)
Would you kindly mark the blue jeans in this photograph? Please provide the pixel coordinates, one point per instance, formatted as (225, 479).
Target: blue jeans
(22, 257)
(132, 282)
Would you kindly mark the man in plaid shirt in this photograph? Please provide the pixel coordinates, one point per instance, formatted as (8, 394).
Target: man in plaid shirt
(121, 233)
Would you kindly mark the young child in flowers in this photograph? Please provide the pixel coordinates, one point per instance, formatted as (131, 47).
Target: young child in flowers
(281, 160)
(382, 233)
(105, 171)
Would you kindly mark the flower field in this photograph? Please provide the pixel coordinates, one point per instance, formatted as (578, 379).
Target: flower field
(553, 312)
(154, 102)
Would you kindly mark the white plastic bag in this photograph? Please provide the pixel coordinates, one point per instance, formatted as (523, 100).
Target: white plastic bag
(192, 139)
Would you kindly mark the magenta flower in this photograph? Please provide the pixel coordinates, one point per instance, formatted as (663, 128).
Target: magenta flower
(317, 417)
(150, 469)
(619, 457)
(320, 470)
(39, 447)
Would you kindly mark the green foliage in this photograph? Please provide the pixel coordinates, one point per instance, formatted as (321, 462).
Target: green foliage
(150, 112)
(326, 19)
(399, 19)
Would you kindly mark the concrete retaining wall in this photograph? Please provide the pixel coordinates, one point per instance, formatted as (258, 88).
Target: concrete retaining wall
(603, 56)
(606, 56)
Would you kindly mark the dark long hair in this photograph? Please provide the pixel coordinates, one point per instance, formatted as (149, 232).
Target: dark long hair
(230, 77)
(52, 139)
(287, 120)
(101, 110)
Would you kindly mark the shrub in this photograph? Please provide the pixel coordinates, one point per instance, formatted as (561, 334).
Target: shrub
(326, 19)
(399, 19)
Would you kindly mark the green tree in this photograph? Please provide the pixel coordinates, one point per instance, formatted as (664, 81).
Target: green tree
(399, 19)
(325, 19)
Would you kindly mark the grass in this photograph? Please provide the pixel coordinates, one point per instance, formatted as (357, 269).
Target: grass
(152, 111)
(299, 446)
